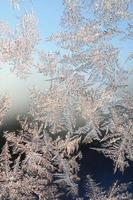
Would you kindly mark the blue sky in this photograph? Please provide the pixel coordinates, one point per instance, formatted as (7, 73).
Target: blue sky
(49, 13)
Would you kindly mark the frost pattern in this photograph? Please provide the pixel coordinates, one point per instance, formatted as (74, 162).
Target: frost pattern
(87, 101)
(18, 47)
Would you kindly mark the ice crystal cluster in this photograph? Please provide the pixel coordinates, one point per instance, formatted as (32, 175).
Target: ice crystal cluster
(87, 101)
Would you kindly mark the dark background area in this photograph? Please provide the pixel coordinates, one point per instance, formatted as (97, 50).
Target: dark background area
(101, 169)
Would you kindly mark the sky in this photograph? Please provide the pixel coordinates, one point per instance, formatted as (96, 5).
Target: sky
(49, 13)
